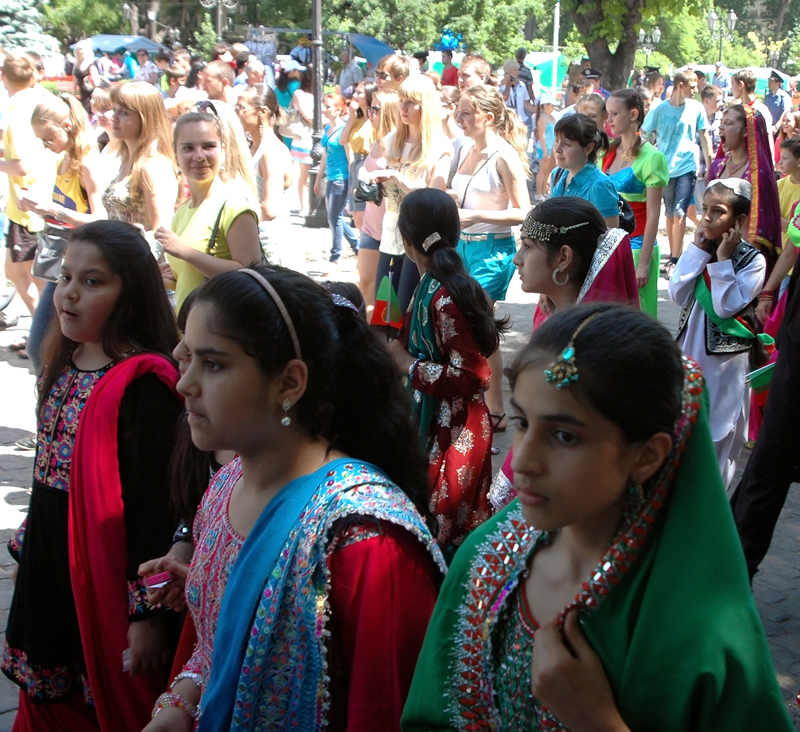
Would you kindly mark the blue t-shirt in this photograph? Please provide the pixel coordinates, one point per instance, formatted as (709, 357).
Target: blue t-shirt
(676, 130)
(336, 165)
(591, 184)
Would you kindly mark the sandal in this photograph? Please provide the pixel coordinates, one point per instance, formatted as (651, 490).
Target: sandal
(19, 345)
(496, 420)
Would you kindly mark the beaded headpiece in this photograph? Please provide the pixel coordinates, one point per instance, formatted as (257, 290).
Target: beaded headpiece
(342, 302)
(538, 231)
(431, 240)
(564, 371)
(737, 185)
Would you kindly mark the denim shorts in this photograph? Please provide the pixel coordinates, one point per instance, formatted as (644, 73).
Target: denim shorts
(489, 261)
(679, 195)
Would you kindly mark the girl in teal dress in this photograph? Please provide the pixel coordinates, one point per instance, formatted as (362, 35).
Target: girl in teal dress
(639, 172)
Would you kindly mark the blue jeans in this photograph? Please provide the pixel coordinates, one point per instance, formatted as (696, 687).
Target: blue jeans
(45, 311)
(335, 201)
(679, 195)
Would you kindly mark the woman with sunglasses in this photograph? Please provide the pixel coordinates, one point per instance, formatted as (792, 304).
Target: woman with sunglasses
(359, 134)
(383, 116)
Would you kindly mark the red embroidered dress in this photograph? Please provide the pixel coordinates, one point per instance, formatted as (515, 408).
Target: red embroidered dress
(447, 388)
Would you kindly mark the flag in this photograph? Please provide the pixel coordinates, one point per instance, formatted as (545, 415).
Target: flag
(387, 307)
(759, 381)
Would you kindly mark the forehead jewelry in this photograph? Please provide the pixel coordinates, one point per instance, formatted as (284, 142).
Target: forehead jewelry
(564, 371)
(538, 231)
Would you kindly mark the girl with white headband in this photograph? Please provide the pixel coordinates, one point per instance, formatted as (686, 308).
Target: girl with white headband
(311, 566)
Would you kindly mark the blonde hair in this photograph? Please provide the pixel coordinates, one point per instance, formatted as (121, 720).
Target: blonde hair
(56, 110)
(19, 68)
(390, 115)
(155, 137)
(238, 161)
(420, 90)
(394, 64)
(507, 124)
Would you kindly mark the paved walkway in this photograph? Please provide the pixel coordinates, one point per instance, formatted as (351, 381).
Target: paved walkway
(776, 588)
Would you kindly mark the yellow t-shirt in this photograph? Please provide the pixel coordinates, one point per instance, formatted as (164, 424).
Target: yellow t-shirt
(194, 226)
(361, 137)
(19, 141)
(788, 195)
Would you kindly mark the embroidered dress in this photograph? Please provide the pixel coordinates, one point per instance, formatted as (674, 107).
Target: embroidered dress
(447, 389)
(340, 610)
(648, 170)
(668, 609)
(64, 642)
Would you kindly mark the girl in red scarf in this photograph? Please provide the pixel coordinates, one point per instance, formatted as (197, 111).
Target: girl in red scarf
(99, 507)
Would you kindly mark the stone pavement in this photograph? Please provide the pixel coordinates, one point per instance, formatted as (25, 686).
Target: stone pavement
(776, 587)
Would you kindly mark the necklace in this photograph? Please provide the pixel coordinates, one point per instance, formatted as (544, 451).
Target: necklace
(627, 155)
(732, 168)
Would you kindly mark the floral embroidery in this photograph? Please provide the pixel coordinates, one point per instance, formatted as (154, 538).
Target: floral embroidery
(429, 371)
(465, 442)
(16, 542)
(44, 684)
(447, 327)
(58, 425)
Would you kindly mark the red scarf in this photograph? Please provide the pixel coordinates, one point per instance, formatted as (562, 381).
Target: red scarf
(98, 551)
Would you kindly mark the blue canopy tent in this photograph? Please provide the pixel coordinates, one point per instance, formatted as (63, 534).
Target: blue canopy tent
(108, 43)
(371, 48)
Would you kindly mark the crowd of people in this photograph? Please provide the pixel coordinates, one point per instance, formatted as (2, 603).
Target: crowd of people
(251, 509)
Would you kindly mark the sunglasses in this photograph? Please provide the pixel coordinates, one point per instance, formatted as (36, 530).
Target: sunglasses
(373, 110)
(382, 75)
(206, 106)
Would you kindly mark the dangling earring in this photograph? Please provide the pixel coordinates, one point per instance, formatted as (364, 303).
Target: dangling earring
(286, 406)
(636, 498)
(556, 272)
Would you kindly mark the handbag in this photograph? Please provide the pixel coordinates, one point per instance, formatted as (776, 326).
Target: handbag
(211, 247)
(368, 192)
(50, 251)
(627, 218)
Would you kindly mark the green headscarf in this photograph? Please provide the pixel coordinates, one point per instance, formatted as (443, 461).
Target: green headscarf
(674, 622)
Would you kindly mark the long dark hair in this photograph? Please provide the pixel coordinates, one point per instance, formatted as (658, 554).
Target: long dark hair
(630, 367)
(569, 211)
(142, 319)
(353, 398)
(370, 87)
(583, 130)
(426, 211)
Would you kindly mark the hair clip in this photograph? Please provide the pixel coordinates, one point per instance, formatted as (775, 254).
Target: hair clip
(539, 231)
(342, 302)
(564, 371)
(431, 240)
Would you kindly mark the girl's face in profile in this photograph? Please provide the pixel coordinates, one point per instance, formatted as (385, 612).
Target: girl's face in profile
(228, 396)
(571, 465)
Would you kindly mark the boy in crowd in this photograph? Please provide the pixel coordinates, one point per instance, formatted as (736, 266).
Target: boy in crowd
(788, 195)
(678, 124)
(717, 281)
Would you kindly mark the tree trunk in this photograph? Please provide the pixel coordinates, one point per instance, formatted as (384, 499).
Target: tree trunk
(152, 10)
(783, 6)
(615, 67)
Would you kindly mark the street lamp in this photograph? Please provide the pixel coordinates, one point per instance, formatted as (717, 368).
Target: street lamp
(229, 4)
(712, 18)
(648, 42)
(317, 217)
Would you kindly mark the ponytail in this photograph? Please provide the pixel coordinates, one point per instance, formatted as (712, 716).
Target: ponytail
(601, 145)
(583, 130)
(428, 211)
(58, 109)
(632, 99)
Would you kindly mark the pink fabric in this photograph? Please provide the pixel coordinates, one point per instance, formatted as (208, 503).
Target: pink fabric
(373, 215)
(616, 281)
(98, 551)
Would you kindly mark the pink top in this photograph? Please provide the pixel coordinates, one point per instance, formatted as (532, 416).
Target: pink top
(373, 215)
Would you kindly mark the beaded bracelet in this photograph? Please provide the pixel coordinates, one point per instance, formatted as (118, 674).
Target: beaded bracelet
(190, 676)
(171, 699)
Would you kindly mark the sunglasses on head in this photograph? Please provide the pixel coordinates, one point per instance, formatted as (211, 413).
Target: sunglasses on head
(206, 106)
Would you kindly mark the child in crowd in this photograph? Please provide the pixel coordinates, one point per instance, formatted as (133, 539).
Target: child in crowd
(788, 195)
(717, 281)
(552, 616)
(311, 566)
(448, 334)
(100, 501)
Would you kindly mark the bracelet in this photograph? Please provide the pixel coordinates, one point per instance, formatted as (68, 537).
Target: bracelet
(414, 366)
(182, 535)
(189, 675)
(768, 293)
(171, 699)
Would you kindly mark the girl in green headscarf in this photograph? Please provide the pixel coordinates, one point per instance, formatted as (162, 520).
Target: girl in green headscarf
(627, 607)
